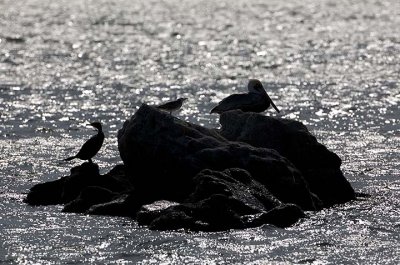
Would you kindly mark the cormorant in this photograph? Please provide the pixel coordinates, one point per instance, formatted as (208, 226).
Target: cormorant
(257, 100)
(92, 146)
(172, 105)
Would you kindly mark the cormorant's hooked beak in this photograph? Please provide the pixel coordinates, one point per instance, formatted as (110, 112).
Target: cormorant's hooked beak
(96, 125)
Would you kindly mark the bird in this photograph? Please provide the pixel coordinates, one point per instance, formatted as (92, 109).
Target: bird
(90, 148)
(172, 105)
(256, 100)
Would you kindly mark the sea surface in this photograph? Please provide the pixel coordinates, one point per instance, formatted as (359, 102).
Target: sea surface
(334, 65)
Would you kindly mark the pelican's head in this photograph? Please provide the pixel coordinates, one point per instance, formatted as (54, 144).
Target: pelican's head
(255, 86)
(96, 125)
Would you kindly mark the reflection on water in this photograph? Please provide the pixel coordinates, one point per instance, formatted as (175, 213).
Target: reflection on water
(333, 65)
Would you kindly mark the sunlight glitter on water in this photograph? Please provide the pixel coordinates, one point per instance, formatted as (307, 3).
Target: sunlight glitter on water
(332, 65)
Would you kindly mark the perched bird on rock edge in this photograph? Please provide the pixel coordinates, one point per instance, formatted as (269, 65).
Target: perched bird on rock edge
(90, 148)
(172, 105)
(257, 100)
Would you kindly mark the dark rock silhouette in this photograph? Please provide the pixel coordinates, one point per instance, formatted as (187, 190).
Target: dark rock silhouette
(221, 201)
(281, 216)
(319, 166)
(47, 193)
(68, 188)
(88, 197)
(235, 183)
(123, 205)
(170, 152)
(255, 170)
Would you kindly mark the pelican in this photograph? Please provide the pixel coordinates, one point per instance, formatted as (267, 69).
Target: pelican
(172, 105)
(257, 100)
(90, 148)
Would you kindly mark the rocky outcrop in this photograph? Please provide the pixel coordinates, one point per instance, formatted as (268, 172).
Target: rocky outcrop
(80, 190)
(255, 170)
(221, 201)
(291, 139)
(170, 152)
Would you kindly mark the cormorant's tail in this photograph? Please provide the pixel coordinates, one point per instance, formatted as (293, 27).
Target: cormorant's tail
(70, 158)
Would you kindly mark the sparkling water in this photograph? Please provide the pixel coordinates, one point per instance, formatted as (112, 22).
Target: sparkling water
(334, 65)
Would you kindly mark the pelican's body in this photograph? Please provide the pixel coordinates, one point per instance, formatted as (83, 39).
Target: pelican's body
(172, 105)
(90, 148)
(257, 100)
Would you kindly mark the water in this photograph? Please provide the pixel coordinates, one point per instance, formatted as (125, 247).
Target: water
(333, 65)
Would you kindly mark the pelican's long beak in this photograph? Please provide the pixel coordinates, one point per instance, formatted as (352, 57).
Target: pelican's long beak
(273, 105)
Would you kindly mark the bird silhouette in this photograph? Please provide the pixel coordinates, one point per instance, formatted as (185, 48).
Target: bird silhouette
(256, 100)
(172, 105)
(90, 148)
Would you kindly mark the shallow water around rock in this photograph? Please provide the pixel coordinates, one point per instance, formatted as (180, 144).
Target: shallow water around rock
(334, 65)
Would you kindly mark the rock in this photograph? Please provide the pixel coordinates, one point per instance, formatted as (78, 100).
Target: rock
(83, 176)
(149, 212)
(124, 205)
(46, 193)
(248, 195)
(162, 154)
(211, 214)
(176, 175)
(174, 219)
(68, 188)
(220, 201)
(88, 197)
(281, 216)
(319, 166)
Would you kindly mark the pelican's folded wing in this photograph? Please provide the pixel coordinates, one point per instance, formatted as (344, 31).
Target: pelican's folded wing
(238, 101)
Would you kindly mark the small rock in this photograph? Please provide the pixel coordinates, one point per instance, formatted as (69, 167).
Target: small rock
(124, 205)
(88, 197)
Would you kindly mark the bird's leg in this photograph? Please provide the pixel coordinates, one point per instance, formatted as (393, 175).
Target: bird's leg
(90, 161)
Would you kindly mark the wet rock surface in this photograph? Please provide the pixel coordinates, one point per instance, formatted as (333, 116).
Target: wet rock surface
(178, 175)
